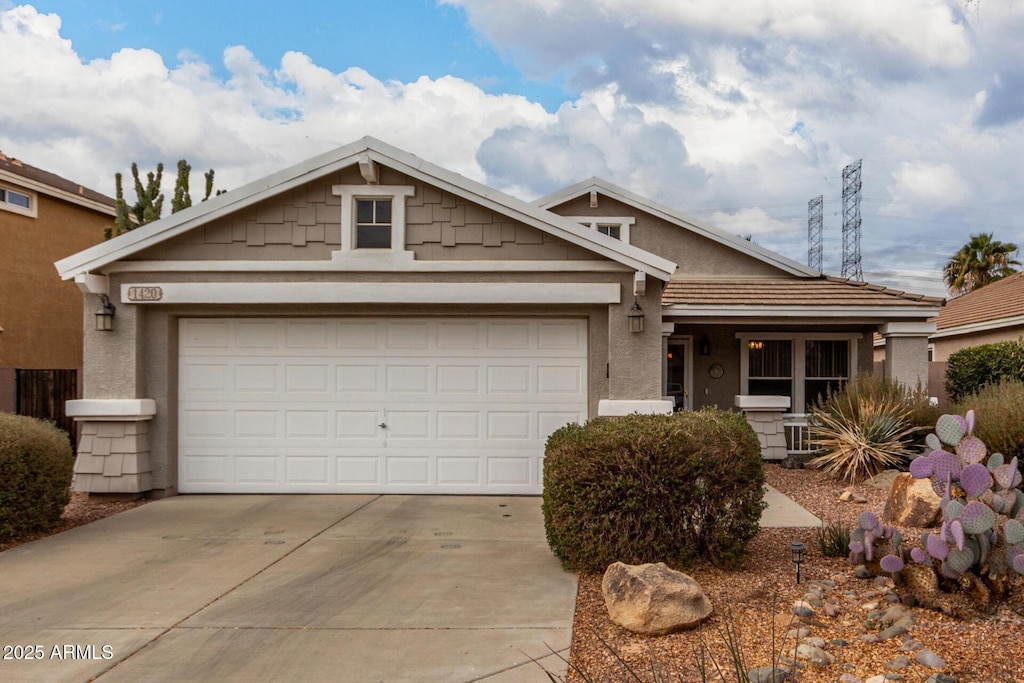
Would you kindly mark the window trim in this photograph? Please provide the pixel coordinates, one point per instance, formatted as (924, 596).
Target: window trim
(799, 350)
(350, 193)
(624, 223)
(33, 201)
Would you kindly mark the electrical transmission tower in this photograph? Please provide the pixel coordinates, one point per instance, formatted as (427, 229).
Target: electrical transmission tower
(851, 222)
(814, 208)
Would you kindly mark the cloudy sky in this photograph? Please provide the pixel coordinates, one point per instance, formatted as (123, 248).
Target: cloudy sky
(735, 117)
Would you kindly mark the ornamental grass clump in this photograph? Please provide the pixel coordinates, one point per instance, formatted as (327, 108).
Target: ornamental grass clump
(35, 475)
(863, 429)
(675, 488)
(1002, 430)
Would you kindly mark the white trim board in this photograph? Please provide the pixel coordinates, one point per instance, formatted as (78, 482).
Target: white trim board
(361, 265)
(373, 293)
(763, 311)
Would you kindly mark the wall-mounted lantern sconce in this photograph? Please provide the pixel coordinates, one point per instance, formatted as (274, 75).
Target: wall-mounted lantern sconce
(105, 314)
(755, 345)
(636, 318)
(797, 549)
(705, 346)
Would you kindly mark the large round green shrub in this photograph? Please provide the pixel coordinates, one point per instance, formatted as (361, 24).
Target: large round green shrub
(653, 488)
(35, 475)
(969, 370)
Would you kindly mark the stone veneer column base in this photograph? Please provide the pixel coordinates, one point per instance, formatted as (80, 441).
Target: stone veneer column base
(764, 414)
(113, 453)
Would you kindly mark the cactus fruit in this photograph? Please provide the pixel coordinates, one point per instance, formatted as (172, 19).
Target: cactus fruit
(891, 564)
(950, 429)
(975, 479)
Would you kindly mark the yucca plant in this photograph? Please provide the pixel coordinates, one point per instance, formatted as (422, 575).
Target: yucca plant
(860, 436)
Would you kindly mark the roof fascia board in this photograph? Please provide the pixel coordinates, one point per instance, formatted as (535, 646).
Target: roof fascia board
(670, 215)
(166, 228)
(47, 189)
(762, 311)
(984, 326)
(602, 266)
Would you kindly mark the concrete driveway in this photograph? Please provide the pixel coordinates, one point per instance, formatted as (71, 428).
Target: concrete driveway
(302, 588)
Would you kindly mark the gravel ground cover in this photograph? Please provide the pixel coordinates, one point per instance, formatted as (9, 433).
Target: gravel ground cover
(757, 603)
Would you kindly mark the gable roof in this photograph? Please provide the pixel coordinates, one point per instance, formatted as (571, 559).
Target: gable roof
(149, 235)
(743, 297)
(642, 203)
(36, 179)
(995, 305)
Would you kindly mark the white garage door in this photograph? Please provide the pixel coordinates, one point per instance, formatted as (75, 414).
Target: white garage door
(391, 405)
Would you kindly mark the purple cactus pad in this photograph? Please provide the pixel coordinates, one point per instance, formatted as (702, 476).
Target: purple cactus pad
(975, 479)
(971, 450)
(937, 548)
(921, 468)
(977, 518)
(956, 530)
(868, 520)
(891, 564)
(919, 555)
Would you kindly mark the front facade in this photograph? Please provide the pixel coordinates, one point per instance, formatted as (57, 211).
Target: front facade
(43, 217)
(369, 322)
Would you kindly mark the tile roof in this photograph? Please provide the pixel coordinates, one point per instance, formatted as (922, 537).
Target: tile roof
(17, 167)
(1001, 299)
(820, 291)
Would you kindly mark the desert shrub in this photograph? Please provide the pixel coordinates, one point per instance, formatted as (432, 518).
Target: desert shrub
(1002, 430)
(834, 539)
(971, 369)
(35, 475)
(653, 488)
(865, 427)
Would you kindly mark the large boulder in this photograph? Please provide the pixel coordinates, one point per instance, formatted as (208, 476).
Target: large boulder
(652, 599)
(911, 502)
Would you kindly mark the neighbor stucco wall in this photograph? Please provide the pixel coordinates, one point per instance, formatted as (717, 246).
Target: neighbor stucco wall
(695, 255)
(944, 346)
(906, 360)
(41, 314)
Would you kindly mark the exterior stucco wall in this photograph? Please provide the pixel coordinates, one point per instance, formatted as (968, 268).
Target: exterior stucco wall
(944, 346)
(906, 360)
(139, 358)
(305, 224)
(695, 255)
(39, 312)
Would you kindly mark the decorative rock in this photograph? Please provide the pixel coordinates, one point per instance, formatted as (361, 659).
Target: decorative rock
(767, 674)
(929, 659)
(911, 502)
(862, 572)
(911, 645)
(652, 599)
(798, 633)
(849, 678)
(940, 678)
(891, 632)
(899, 663)
(802, 609)
(814, 654)
(876, 679)
(831, 609)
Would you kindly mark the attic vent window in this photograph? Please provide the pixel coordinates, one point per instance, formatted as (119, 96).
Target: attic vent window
(616, 227)
(373, 224)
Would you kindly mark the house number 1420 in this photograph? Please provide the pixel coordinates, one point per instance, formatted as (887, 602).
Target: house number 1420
(145, 294)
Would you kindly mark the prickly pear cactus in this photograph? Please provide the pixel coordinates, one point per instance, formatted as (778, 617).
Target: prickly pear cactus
(981, 538)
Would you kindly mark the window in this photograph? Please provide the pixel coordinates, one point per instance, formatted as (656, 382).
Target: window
(373, 224)
(17, 202)
(616, 227)
(800, 366)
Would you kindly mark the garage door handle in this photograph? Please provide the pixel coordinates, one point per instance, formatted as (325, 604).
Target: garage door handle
(383, 425)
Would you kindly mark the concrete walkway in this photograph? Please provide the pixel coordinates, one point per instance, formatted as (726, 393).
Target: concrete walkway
(783, 511)
(291, 588)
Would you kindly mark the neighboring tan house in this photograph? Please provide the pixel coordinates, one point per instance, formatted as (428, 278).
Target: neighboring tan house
(43, 217)
(990, 314)
(367, 321)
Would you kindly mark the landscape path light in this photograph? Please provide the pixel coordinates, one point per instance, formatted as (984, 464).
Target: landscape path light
(797, 548)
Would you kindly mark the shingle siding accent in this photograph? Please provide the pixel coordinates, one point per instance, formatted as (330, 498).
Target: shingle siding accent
(114, 457)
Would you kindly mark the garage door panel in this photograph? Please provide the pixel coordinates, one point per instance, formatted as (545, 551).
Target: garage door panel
(466, 404)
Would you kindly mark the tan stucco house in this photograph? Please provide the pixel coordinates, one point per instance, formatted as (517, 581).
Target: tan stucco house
(990, 314)
(367, 321)
(43, 217)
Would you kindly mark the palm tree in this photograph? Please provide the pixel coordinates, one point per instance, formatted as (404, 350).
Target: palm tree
(979, 262)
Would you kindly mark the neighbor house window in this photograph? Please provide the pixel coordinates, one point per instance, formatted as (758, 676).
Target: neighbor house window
(800, 366)
(18, 202)
(373, 224)
(616, 227)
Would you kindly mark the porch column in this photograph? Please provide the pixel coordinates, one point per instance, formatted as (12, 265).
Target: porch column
(764, 414)
(906, 352)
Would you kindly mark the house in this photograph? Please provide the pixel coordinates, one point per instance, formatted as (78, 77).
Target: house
(367, 321)
(43, 217)
(993, 313)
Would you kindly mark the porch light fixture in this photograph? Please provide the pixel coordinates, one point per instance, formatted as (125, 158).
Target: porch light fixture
(105, 314)
(797, 548)
(705, 346)
(755, 344)
(635, 318)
